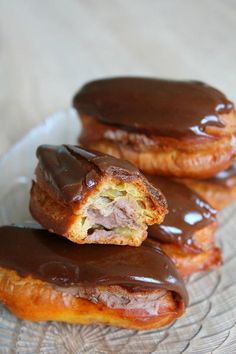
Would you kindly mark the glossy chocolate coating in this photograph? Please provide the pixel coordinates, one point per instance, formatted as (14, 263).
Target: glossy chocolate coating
(188, 212)
(224, 178)
(60, 262)
(154, 106)
(71, 170)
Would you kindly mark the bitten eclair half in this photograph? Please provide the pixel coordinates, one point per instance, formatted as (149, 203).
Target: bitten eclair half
(45, 277)
(90, 197)
(174, 128)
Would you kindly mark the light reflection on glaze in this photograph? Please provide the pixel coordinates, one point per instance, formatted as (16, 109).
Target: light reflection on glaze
(193, 218)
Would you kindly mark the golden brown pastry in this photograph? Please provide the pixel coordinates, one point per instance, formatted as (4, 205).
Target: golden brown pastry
(93, 198)
(190, 260)
(187, 234)
(164, 127)
(219, 191)
(44, 277)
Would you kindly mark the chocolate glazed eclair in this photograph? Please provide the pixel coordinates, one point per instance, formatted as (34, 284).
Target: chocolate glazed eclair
(58, 280)
(187, 234)
(90, 197)
(164, 127)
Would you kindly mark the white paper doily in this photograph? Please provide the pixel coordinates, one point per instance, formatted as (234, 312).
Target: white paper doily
(208, 325)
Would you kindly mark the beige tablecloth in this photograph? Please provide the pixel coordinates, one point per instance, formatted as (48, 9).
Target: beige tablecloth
(48, 48)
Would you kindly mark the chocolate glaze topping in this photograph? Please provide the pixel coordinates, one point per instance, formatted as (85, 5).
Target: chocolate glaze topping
(55, 260)
(224, 177)
(188, 212)
(154, 106)
(71, 170)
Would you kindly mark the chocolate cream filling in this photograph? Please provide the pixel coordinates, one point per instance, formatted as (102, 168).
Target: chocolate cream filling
(119, 298)
(107, 216)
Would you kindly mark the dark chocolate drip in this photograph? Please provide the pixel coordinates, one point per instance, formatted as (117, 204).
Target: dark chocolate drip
(71, 170)
(55, 260)
(224, 178)
(188, 212)
(154, 106)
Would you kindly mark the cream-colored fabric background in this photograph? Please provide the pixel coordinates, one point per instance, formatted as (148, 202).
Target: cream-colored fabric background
(48, 48)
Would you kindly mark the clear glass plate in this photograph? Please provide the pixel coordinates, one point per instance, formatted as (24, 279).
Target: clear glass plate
(208, 325)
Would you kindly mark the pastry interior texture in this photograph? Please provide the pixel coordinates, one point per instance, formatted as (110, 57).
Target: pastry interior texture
(219, 191)
(165, 127)
(90, 197)
(187, 234)
(45, 277)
